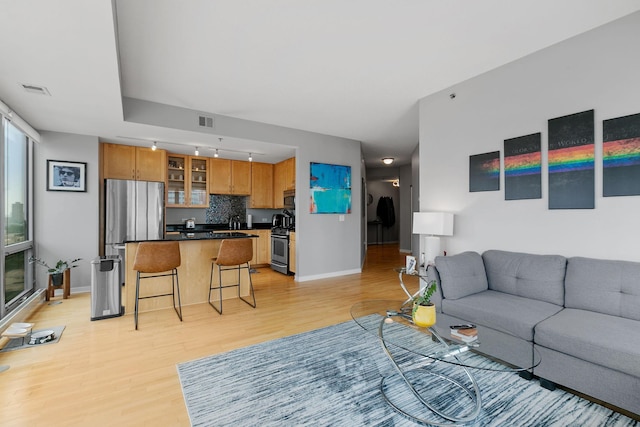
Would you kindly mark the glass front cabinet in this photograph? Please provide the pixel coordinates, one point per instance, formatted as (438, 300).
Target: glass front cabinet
(187, 181)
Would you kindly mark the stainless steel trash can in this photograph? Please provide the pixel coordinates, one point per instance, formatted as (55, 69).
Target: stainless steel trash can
(106, 295)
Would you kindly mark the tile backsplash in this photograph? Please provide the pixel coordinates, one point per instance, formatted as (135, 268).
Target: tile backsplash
(222, 207)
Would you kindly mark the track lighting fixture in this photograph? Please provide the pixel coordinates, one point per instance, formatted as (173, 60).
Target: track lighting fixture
(197, 153)
(250, 158)
(154, 147)
(216, 154)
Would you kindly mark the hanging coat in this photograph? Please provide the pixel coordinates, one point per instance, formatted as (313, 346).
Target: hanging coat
(386, 212)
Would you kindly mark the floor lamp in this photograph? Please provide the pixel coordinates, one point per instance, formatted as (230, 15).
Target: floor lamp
(433, 225)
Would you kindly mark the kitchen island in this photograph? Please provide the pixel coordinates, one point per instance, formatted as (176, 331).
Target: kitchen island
(196, 253)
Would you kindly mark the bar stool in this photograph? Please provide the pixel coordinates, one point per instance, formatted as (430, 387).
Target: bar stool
(158, 257)
(234, 254)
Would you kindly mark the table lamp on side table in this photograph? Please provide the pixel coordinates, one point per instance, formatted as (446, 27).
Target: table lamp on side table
(433, 225)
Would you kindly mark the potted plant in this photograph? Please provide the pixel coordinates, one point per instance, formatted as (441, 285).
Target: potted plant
(424, 311)
(58, 268)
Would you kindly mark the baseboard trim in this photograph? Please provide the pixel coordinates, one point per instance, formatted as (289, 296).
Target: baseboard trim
(328, 275)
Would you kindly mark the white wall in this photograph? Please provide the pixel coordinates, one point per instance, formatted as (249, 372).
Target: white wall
(66, 223)
(596, 70)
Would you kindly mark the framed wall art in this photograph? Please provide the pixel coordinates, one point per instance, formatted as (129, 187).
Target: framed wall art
(523, 167)
(66, 176)
(484, 172)
(330, 188)
(571, 161)
(621, 156)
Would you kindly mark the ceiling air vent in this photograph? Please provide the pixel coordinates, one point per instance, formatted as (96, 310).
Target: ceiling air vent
(40, 90)
(205, 122)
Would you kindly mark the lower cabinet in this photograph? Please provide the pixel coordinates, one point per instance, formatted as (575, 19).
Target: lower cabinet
(262, 247)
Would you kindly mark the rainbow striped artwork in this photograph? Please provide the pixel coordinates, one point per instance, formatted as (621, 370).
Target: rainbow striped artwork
(523, 167)
(484, 172)
(571, 161)
(621, 156)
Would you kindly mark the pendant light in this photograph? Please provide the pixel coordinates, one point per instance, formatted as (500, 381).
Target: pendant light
(154, 147)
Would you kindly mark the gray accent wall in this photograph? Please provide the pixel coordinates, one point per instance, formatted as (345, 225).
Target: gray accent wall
(595, 70)
(327, 244)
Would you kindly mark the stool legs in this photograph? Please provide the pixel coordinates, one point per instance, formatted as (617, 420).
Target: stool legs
(220, 285)
(175, 289)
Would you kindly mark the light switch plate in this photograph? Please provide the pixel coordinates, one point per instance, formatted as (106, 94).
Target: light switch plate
(341, 218)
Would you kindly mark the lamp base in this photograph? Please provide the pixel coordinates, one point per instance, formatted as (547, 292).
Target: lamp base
(432, 248)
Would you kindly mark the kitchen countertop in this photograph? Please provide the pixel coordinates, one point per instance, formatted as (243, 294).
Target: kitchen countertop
(204, 228)
(201, 235)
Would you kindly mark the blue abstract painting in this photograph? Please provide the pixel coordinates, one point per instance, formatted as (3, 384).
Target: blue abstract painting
(330, 188)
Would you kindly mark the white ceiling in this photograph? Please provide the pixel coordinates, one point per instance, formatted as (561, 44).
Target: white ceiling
(349, 68)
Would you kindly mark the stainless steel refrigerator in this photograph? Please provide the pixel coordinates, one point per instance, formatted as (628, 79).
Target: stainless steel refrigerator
(134, 210)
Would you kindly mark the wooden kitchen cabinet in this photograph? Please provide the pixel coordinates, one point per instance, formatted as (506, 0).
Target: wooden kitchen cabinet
(292, 252)
(261, 185)
(129, 162)
(261, 247)
(230, 177)
(284, 178)
(187, 181)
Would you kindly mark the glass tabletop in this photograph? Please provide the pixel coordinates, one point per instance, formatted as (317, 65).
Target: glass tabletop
(390, 321)
(421, 272)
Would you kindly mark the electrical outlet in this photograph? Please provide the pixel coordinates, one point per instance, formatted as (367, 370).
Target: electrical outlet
(341, 218)
(265, 220)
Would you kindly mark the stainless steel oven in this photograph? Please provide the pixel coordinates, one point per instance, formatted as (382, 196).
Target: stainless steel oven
(280, 250)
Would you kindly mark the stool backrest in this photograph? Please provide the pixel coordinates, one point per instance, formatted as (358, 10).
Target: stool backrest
(155, 257)
(235, 251)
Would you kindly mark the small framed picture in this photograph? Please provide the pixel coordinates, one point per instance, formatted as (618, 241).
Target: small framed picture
(410, 266)
(66, 176)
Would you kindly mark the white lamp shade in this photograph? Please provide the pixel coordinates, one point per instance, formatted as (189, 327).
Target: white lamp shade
(433, 223)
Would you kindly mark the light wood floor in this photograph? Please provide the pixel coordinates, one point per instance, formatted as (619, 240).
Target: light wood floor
(105, 373)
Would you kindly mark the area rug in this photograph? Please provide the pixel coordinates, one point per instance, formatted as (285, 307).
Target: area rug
(17, 343)
(331, 377)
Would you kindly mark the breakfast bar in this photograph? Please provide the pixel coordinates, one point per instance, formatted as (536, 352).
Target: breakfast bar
(194, 272)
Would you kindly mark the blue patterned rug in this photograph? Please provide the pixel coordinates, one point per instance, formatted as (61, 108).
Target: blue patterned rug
(331, 377)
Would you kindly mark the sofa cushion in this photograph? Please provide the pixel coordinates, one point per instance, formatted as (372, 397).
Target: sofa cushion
(599, 338)
(504, 312)
(539, 277)
(461, 275)
(604, 286)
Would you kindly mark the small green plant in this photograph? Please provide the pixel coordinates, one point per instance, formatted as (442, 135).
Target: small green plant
(424, 298)
(59, 267)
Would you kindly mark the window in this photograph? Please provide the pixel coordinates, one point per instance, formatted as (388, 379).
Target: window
(16, 278)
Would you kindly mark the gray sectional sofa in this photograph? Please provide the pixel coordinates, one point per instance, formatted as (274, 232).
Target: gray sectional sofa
(579, 316)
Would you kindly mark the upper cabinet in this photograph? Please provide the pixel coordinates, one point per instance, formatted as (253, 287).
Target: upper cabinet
(230, 177)
(261, 185)
(187, 181)
(128, 162)
(284, 178)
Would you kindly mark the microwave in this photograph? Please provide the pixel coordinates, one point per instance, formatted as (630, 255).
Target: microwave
(290, 199)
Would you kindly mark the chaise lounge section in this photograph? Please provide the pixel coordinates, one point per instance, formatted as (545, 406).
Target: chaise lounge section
(579, 316)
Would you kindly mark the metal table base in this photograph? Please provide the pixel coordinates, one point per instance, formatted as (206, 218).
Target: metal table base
(452, 419)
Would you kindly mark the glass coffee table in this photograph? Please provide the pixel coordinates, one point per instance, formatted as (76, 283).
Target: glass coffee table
(429, 363)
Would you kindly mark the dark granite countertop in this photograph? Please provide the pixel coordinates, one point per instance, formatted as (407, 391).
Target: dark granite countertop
(206, 228)
(200, 236)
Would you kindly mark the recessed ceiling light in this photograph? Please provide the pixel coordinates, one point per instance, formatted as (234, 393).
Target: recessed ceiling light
(387, 160)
